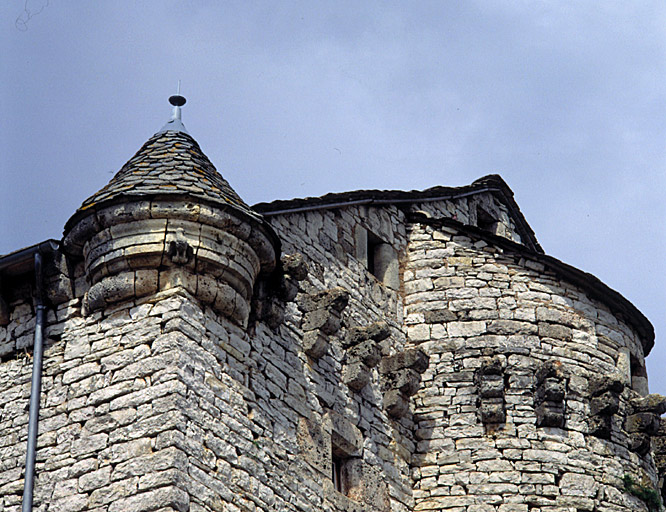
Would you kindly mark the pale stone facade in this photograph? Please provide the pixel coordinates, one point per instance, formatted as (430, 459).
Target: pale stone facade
(385, 351)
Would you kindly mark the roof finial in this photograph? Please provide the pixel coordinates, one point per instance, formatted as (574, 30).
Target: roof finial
(175, 124)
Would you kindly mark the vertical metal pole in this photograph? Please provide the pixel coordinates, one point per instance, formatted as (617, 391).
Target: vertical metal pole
(35, 390)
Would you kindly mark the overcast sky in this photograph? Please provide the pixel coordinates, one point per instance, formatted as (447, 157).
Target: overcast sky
(565, 99)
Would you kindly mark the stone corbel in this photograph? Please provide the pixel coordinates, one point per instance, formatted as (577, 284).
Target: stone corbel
(363, 353)
(605, 393)
(644, 421)
(489, 380)
(401, 374)
(322, 318)
(280, 287)
(549, 395)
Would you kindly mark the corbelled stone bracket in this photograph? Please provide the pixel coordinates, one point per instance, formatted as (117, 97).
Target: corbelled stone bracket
(281, 287)
(489, 379)
(605, 393)
(321, 318)
(363, 353)
(401, 374)
(644, 421)
(549, 395)
(179, 251)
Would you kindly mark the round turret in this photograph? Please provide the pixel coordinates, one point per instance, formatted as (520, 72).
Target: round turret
(169, 219)
(535, 394)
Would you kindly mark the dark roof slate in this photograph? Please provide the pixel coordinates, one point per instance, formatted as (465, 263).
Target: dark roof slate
(169, 163)
(491, 183)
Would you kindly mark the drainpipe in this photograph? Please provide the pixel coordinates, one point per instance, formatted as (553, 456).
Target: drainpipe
(15, 264)
(35, 388)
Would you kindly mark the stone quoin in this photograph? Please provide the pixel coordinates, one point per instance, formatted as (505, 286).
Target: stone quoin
(361, 351)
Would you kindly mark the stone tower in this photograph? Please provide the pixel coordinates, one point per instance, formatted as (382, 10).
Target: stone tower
(371, 350)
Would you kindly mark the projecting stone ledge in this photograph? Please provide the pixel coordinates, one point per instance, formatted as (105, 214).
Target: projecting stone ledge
(136, 249)
(401, 375)
(321, 319)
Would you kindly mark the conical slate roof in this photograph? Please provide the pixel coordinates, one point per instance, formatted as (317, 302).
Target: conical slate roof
(169, 163)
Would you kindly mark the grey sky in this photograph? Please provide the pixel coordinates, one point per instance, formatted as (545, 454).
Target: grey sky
(565, 99)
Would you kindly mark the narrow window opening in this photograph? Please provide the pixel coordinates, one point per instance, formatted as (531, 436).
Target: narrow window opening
(379, 257)
(639, 382)
(484, 220)
(337, 474)
(346, 461)
(374, 242)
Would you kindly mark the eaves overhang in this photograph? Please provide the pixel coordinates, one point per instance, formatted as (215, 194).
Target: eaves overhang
(22, 261)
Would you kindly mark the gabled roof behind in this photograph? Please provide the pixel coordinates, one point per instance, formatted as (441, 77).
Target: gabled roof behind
(492, 183)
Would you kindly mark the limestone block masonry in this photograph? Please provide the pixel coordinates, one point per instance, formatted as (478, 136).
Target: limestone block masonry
(366, 351)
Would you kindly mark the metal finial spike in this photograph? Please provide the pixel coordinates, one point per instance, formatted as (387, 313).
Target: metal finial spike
(177, 100)
(175, 124)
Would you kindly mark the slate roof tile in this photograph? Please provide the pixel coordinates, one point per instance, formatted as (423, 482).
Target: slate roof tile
(170, 163)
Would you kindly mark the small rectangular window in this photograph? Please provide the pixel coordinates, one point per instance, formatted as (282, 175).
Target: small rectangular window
(379, 257)
(337, 474)
(639, 380)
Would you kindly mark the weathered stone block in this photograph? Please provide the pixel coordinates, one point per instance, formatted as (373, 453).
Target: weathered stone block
(492, 412)
(491, 386)
(466, 329)
(416, 359)
(550, 369)
(439, 316)
(645, 422)
(555, 331)
(511, 327)
(295, 266)
(334, 299)
(550, 415)
(577, 484)
(315, 344)
(600, 426)
(145, 282)
(605, 404)
(407, 381)
(346, 438)
(653, 403)
(327, 320)
(356, 375)
(639, 442)
(172, 497)
(367, 351)
(395, 404)
(492, 366)
(551, 389)
(110, 290)
(601, 383)
(377, 331)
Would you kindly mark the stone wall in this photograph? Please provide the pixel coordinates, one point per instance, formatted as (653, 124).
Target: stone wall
(160, 403)
(109, 406)
(348, 379)
(518, 361)
(483, 210)
(386, 365)
(163, 405)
